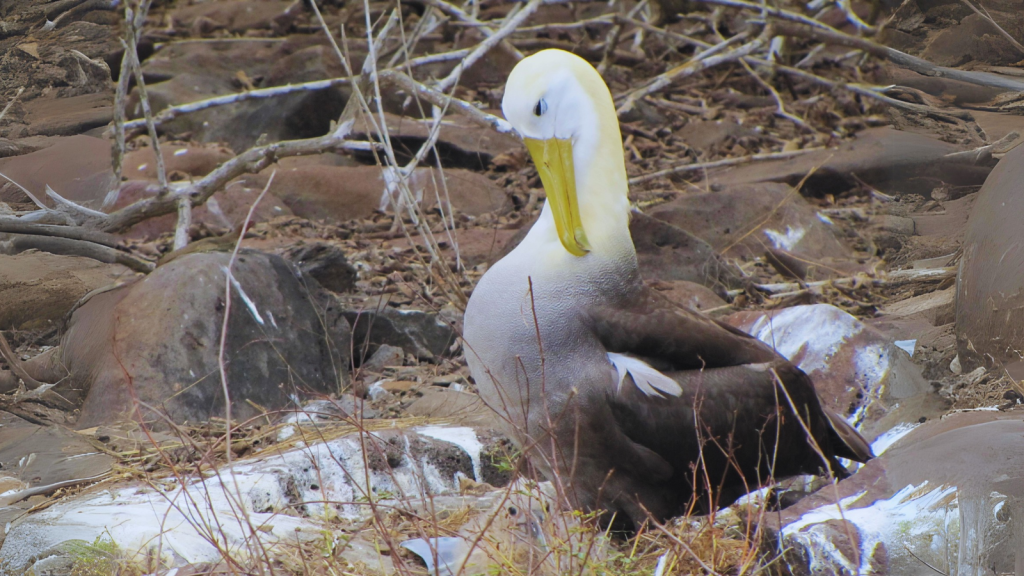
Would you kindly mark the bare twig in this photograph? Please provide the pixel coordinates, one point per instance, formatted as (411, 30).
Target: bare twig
(11, 103)
(252, 160)
(15, 363)
(17, 226)
(120, 104)
(438, 98)
(469, 19)
(184, 222)
(701, 62)
(901, 59)
(17, 243)
(719, 163)
(131, 49)
(895, 278)
(509, 26)
(172, 112)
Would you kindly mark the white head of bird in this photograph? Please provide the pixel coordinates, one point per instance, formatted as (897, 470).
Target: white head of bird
(561, 106)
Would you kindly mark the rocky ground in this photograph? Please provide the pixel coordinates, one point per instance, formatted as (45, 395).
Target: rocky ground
(840, 181)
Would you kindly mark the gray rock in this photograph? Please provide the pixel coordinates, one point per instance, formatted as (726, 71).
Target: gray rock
(385, 355)
(421, 334)
(989, 299)
(858, 372)
(153, 345)
(741, 221)
(326, 263)
(947, 493)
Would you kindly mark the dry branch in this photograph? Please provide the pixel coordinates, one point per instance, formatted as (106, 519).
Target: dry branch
(511, 23)
(17, 226)
(896, 278)
(901, 59)
(481, 26)
(719, 163)
(252, 160)
(17, 243)
(170, 113)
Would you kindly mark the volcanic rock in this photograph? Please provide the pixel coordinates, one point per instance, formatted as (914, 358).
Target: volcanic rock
(37, 288)
(858, 372)
(946, 493)
(153, 345)
(989, 293)
(744, 221)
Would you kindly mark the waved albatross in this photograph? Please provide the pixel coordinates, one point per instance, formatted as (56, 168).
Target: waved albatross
(636, 404)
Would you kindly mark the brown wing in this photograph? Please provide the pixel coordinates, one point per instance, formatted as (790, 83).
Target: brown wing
(653, 327)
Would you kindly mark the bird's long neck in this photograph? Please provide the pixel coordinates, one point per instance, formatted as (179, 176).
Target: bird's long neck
(602, 187)
(602, 191)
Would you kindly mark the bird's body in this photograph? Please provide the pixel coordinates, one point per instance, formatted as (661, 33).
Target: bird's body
(637, 405)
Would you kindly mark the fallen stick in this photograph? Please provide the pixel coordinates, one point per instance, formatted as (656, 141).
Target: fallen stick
(901, 59)
(895, 278)
(252, 160)
(172, 112)
(14, 363)
(719, 164)
(17, 243)
(17, 226)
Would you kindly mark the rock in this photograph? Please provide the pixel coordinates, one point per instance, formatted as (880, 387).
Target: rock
(342, 193)
(891, 160)
(294, 491)
(50, 116)
(975, 39)
(989, 299)
(894, 224)
(77, 167)
(238, 16)
(162, 332)
(461, 143)
(669, 253)
(38, 288)
(221, 59)
(946, 493)
(326, 263)
(184, 160)
(385, 355)
(462, 408)
(38, 460)
(342, 408)
(224, 211)
(688, 294)
(858, 372)
(740, 221)
(195, 71)
(422, 334)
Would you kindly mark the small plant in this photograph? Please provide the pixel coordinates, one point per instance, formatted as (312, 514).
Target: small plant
(101, 558)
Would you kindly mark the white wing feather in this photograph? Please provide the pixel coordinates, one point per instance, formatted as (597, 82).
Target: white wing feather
(650, 381)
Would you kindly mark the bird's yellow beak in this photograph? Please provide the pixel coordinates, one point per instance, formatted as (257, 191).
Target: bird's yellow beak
(553, 158)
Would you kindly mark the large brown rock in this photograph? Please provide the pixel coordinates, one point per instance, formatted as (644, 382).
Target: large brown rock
(947, 494)
(745, 221)
(37, 288)
(222, 212)
(153, 345)
(78, 168)
(893, 161)
(990, 283)
(858, 372)
(342, 193)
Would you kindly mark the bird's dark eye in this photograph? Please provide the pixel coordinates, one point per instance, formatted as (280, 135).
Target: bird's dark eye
(540, 108)
(512, 509)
